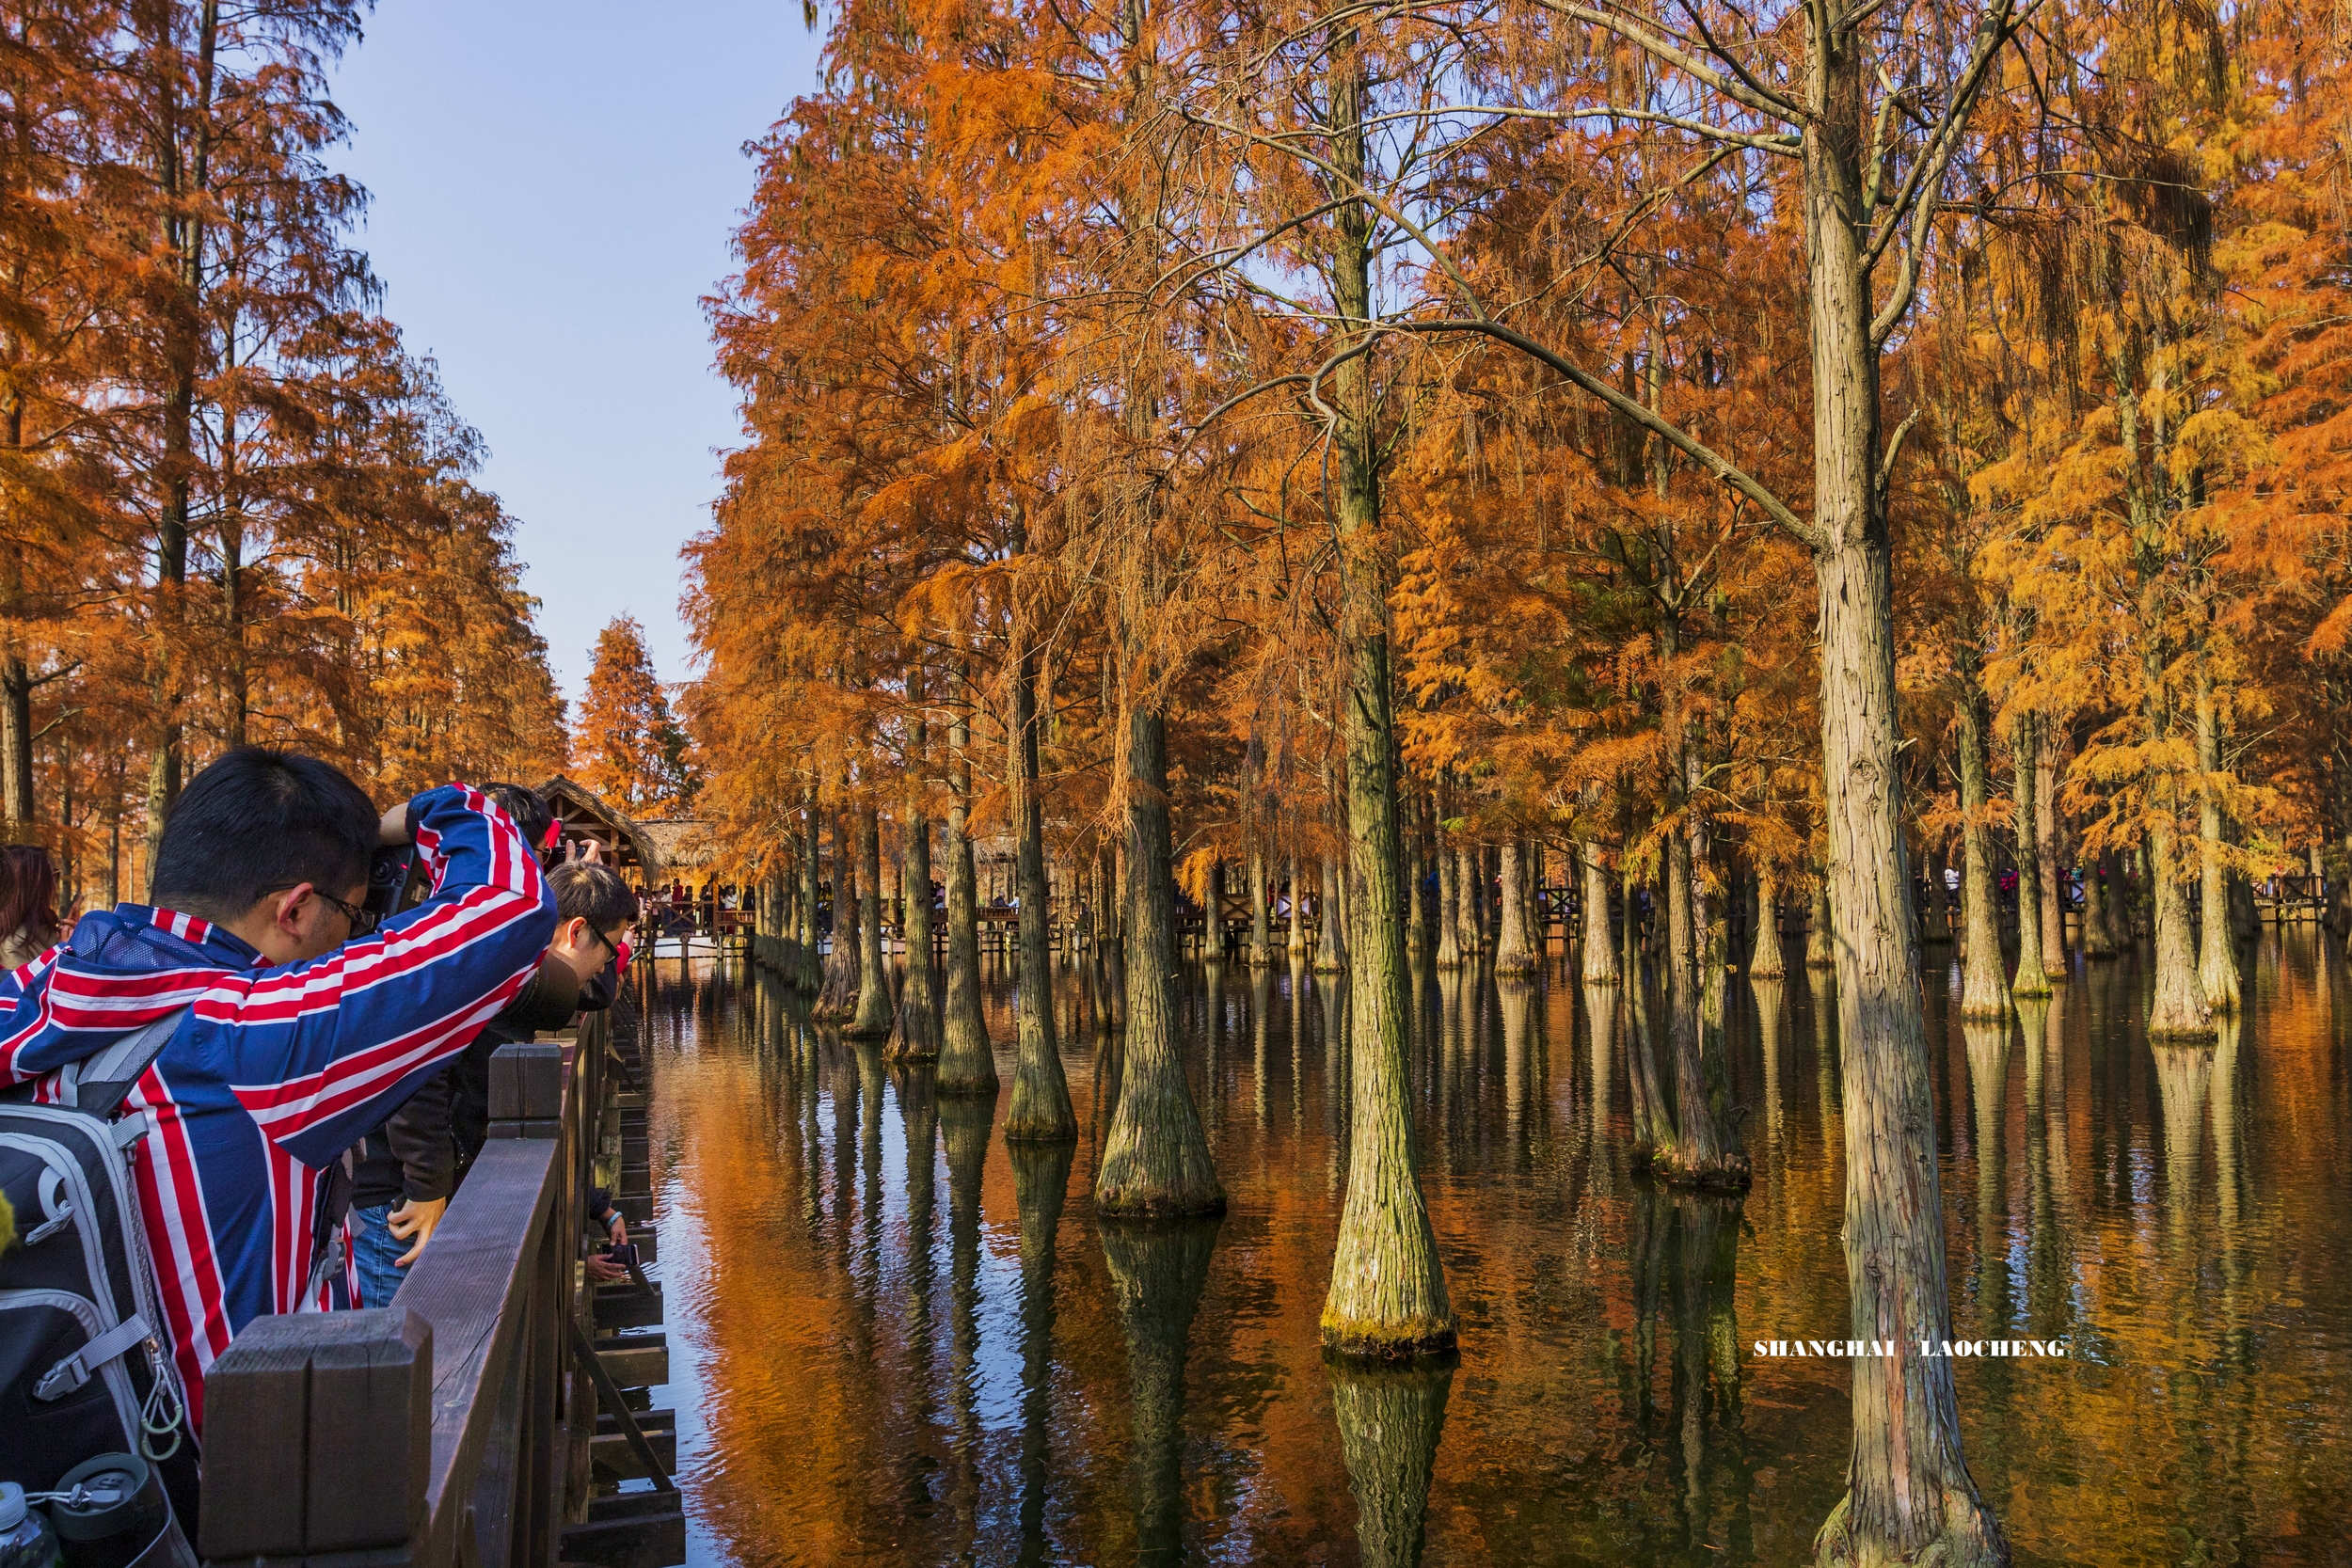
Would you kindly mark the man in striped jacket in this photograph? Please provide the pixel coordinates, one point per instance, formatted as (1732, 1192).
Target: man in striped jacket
(306, 1023)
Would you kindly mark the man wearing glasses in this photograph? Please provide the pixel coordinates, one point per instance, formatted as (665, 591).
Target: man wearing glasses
(301, 1024)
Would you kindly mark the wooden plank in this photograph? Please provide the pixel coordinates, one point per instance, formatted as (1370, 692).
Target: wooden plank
(256, 1427)
(632, 1530)
(470, 1285)
(635, 1360)
(613, 1456)
(627, 1305)
(369, 1432)
(526, 1082)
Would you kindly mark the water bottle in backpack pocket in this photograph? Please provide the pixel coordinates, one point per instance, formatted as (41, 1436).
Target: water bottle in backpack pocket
(86, 1366)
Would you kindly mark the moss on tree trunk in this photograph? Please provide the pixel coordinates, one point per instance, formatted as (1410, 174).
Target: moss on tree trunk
(836, 998)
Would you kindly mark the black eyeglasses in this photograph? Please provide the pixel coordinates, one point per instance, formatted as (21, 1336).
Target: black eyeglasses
(610, 945)
(363, 920)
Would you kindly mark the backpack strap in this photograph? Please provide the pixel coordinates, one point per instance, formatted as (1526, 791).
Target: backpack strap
(100, 1081)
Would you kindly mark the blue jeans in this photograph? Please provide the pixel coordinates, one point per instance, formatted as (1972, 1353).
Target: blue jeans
(374, 1247)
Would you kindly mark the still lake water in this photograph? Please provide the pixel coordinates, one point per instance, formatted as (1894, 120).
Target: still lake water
(893, 1341)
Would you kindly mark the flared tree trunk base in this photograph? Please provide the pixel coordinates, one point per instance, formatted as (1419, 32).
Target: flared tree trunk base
(1970, 1538)
(1514, 966)
(965, 1085)
(1728, 1173)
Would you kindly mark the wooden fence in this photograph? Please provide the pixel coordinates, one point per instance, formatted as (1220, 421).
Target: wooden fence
(459, 1426)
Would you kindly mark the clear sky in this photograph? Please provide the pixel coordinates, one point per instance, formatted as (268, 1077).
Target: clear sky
(554, 186)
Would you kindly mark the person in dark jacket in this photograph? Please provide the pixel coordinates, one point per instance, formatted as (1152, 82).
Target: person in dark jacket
(408, 1166)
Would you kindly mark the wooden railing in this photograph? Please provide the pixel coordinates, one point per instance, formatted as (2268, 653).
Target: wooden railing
(453, 1427)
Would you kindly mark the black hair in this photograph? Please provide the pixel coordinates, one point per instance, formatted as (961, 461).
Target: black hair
(256, 821)
(592, 892)
(530, 813)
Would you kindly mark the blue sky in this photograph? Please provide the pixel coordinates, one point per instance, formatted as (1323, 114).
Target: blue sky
(553, 189)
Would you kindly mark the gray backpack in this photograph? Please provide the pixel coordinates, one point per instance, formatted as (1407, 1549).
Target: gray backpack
(86, 1366)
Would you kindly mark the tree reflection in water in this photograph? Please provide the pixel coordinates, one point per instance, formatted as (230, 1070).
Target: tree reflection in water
(1389, 1419)
(1158, 1271)
(889, 1357)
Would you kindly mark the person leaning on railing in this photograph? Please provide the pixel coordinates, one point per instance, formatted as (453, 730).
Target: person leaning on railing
(305, 1023)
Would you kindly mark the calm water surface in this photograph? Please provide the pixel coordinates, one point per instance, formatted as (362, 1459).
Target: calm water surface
(894, 1340)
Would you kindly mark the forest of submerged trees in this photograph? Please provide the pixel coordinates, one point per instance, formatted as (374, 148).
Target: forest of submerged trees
(1840, 460)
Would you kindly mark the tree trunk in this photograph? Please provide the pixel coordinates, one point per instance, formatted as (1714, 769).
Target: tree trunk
(837, 999)
(1155, 1163)
(16, 747)
(1040, 1110)
(1513, 954)
(1448, 908)
(807, 978)
(187, 179)
(1299, 915)
(1765, 960)
(1388, 1293)
(1261, 899)
(1330, 923)
(914, 1036)
(2216, 958)
(1697, 1154)
(1819, 947)
(967, 1065)
(1600, 940)
(1908, 1494)
(1469, 935)
(2025, 760)
(2119, 921)
(1653, 1127)
(2098, 922)
(2048, 845)
(871, 1020)
(1984, 993)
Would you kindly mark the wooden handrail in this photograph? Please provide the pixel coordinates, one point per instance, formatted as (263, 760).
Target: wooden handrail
(438, 1431)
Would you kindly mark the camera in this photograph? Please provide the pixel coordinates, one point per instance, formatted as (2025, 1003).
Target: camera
(394, 881)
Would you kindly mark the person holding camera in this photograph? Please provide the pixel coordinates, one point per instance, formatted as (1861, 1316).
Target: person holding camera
(303, 1021)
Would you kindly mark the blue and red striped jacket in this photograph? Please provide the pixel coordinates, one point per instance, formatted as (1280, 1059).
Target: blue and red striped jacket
(277, 1071)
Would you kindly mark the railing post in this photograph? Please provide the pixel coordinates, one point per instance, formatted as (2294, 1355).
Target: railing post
(527, 1090)
(317, 1435)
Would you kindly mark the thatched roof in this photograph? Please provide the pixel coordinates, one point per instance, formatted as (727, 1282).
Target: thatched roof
(585, 815)
(683, 842)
